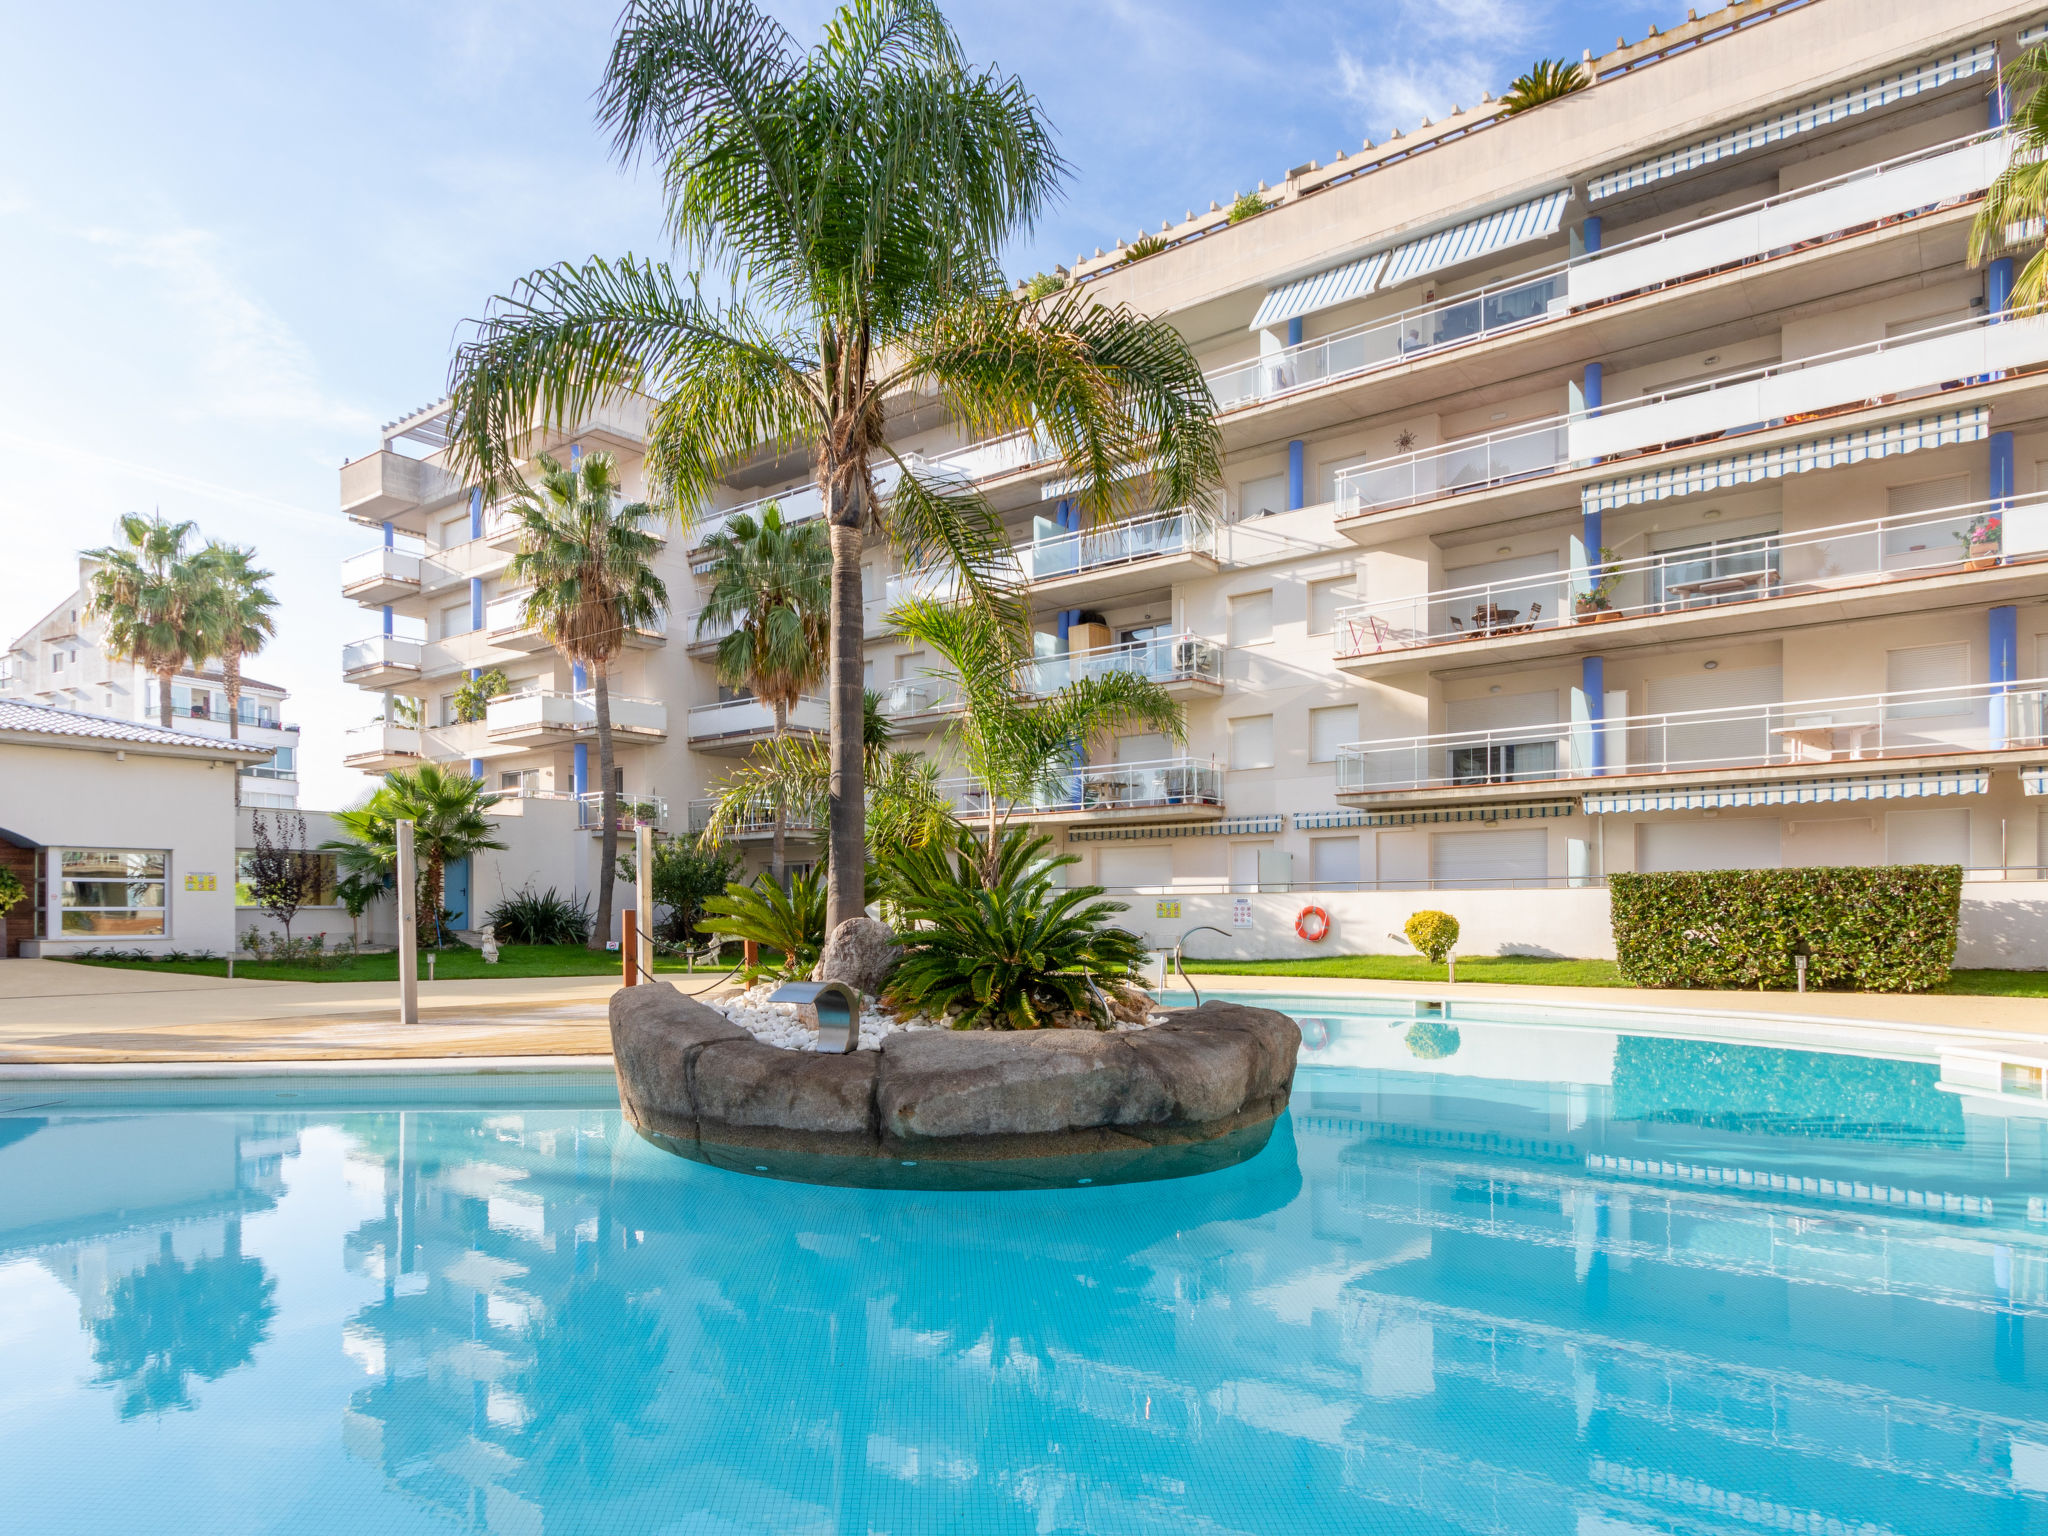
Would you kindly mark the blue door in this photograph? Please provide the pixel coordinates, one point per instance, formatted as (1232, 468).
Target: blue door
(455, 892)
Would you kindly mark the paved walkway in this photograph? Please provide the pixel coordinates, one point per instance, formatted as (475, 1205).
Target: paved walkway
(56, 1013)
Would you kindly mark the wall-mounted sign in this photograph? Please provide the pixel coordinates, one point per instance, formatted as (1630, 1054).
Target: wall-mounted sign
(1241, 912)
(1166, 907)
(201, 880)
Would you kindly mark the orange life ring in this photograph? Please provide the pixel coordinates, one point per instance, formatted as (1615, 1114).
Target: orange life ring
(1313, 918)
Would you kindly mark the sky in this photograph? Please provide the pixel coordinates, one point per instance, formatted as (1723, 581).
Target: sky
(236, 237)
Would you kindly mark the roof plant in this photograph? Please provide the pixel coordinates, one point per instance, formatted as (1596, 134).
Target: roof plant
(1545, 80)
(853, 197)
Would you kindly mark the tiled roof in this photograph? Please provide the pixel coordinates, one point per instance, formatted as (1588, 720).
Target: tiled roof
(42, 720)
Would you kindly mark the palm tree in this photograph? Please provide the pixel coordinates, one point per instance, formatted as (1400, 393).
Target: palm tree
(446, 810)
(857, 194)
(1546, 80)
(1014, 742)
(158, 601)
(589, 564)
(240, 617)
(771, 582)
(2011, 214)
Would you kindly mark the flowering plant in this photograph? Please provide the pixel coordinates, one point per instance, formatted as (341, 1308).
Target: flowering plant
(1982, 534)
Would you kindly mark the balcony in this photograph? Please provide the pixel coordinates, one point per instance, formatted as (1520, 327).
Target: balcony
(632, 811)
(382, 661)
(1731, 586)
(996, 456)
(1777, 226)
(1176, 788)
(1098, 563)
(541, 715)
(381, 575)
(380, 747)
(1798, 736)
(914, 701)
(735, 726)
(505, 626)
(1187, 666)
(754, 825)
(381, 485)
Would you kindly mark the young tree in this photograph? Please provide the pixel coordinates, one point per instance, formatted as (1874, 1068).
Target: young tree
(159, 602)
(355, 889)
(858, 193)
(2009, 218)
(281, 874)
(239, 614)
(589, 563)
(771, 582)
(447, 812)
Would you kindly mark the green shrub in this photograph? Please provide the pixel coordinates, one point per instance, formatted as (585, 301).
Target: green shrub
(792, 922)
(684, 879)
(1246, 205)
(1434, 935)
(527, 916)
(1891, 928)
(1012, 952)
(1432, 1040)
(1143, 246)
(12, 891)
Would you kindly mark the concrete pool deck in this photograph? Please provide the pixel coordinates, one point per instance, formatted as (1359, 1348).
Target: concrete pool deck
(53, 1013)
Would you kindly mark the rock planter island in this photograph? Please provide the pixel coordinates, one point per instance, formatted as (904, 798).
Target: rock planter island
(956, 1108)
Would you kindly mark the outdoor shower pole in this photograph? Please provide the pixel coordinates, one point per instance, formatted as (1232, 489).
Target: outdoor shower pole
(643, 896)
(408, 930)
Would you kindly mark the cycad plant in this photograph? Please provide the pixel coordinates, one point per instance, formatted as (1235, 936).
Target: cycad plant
(856, 194)
(790, 921)
(1546, 80)
(446, 810)
(588, 561)
(158, 601)
(995, 944)
(771, 590)
(1020, 744)
(239, 615)
(2011, 217)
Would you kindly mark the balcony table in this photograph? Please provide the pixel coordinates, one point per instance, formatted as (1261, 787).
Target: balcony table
(1719, 586)
(1819, 740)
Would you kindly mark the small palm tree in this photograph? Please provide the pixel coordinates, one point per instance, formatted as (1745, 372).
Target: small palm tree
(2010, 217)
(239, 616)
(1546, 80)
(589, 564)
(1015, 743)
(447, 812)
(158, 601)
(771, 582)
(859, 193)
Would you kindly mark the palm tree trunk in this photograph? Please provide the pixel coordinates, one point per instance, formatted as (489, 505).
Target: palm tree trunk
(163, 695)
(778, 863)
(608, 807)
(847, 842)
(231, 680)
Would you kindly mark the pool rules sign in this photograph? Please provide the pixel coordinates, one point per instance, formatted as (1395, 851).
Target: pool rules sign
(1241, 912)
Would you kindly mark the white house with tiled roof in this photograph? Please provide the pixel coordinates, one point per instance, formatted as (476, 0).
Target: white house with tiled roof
(61, 660)
(123, 834)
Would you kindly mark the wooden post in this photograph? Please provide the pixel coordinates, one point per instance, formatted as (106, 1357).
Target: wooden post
(408, 929)
(643, 895)
(629, 947)
(750, 951)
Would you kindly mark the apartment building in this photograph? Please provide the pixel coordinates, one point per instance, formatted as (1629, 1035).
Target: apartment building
(62, 661)
(1642, 482)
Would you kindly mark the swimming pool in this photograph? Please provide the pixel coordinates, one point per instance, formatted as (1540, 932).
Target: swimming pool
(1488, 1276)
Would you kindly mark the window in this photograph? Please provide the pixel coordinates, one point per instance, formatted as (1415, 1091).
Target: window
(454, 531)
(1128, 869)
(1251, 741)
(1927, 837)
(1511, 857)
(1262, 498)
(1671, 847)
(448, 715)
(455, 620)
(1922, 667)
(56, 661)
(1329, 729)
(1251, 618)
(112, 892)
(1324, 599)
(285, 760)
(1332, 861)
(322, 894)
(1144, 747)
(909, 664)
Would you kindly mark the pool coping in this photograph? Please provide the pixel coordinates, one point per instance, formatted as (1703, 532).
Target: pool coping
(346, 1066)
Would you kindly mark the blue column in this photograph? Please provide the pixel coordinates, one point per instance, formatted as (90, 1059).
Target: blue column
(1593, 679)
(582, 768)
(2004, 631)
(1995, 108)
(1065, 515)
(1595, 387)
(476, 602)
(387, 619)
(1998, 287)
(1294, 332)
(1589, 535)
(476, 512)
(1589, 234)
(387, 533)
(1296, 462)
(2001, 470)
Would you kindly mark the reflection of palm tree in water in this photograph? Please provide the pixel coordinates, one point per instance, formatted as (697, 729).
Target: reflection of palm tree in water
(596, 1371)
(171, 1321)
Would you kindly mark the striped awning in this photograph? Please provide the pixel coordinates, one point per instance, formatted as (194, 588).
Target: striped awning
(2034, 34)
(2035, 780)
(1233, 826)
(1830, 452)
(1513, 810)
(1477, 237)
(1319, 290)
(1933, 784)
(1867, 97)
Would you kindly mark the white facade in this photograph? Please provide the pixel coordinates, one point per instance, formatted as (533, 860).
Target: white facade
(1607, 489)
(62, 661)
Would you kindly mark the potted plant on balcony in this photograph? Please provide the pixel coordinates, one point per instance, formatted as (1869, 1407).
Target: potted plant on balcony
(1980, 542)
(1595, 605)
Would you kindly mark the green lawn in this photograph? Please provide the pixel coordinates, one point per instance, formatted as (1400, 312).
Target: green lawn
(1528, 971)
(449, 965)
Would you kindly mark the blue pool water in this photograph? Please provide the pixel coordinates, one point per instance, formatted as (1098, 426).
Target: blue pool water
(1494, 1278)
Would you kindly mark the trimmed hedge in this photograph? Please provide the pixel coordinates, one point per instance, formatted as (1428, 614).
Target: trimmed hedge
(1890, 928)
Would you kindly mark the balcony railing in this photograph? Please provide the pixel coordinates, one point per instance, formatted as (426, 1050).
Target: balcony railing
(751, 717)
(506, 615)
(380, 653)
(911, 696)
(996, 456)
(1162, 784)
(380, 739)
(632, 810)
(752, 822)
(382, 567)
(1142, 538)
(1845, 556)
(1468, 464)
(547, 709)
(932, 584)
(1796, 220)
(1853, 728)
(1170, 659)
